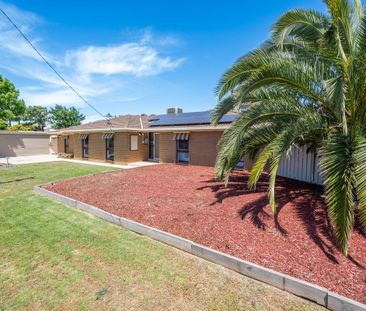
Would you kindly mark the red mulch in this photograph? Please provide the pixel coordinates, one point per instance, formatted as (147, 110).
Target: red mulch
(187, 201)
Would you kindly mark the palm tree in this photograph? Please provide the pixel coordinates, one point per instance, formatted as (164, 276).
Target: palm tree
(304, 86)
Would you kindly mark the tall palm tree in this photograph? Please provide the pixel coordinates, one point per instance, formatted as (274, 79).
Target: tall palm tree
(304, 86)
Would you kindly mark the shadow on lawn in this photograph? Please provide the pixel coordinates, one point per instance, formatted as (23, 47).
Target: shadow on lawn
(16, 180)
(307, 200)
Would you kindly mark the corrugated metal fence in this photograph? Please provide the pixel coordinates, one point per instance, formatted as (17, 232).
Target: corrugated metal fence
(301, 164)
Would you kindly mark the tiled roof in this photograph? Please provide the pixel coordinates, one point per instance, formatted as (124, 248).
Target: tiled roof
(189, 118)
(126, 121)
(165, 121)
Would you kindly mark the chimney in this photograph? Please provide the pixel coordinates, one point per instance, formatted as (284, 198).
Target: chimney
(174, 110)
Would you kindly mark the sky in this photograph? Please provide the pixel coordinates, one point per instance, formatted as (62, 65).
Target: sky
(132, 57)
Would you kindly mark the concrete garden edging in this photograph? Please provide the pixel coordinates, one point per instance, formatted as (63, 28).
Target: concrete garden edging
(282, 281)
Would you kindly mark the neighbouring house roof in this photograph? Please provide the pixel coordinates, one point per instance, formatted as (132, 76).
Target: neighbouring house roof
(41, 133)
(189, 118)
(126, 122)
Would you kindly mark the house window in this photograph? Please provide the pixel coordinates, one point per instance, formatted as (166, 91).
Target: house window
(134, 142)
(85, 147)
(182, 151)
(66, 144)
(109, 148)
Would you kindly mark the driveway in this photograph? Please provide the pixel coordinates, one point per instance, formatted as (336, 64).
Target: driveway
(41, 158)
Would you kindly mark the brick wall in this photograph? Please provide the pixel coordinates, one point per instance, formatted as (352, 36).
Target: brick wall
(61, 145)
(142, 154)
(203, 147)
(167, 148)
(75, 141)
(122, 152)
(96, 147)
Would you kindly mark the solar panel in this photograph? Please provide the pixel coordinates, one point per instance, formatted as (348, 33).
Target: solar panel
(188, 118)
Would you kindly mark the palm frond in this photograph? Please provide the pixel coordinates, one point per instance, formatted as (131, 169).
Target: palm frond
(307, 24)
(337, 166)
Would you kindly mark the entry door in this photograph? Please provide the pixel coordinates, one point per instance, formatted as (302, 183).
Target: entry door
(156, 146)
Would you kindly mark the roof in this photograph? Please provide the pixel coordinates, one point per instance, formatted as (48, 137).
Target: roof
(200, 121)
(126, 121)
(189, 118)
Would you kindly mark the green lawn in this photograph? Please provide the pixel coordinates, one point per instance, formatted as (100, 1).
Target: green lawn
(55, 258)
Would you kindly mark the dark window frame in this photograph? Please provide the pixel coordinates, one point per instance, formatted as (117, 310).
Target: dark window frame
(66, 144)
(109, 149)
(85, 147)
(182, 149)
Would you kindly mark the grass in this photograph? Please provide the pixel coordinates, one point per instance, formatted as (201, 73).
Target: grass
(55, 258)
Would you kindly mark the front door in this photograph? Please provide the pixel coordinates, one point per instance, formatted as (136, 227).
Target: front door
(154, 146)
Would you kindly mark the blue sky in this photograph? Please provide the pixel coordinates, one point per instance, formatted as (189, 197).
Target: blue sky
(132, 56)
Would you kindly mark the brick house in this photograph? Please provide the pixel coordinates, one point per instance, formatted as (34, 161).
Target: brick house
(175, 137)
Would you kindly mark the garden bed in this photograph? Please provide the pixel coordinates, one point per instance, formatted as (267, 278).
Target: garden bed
(187, 201)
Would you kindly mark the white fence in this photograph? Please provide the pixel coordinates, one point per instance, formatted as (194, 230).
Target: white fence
(301, 164)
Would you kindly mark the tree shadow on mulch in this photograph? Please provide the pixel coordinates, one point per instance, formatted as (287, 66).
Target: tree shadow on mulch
(307, 199)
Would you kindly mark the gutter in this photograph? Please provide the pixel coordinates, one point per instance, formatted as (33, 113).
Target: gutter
(151, 129)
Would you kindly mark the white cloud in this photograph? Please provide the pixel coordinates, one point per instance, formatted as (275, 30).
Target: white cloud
(94, 71)
(128, 58)
(50, 98)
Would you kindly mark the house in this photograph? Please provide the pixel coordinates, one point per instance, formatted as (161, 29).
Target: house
(174, 137)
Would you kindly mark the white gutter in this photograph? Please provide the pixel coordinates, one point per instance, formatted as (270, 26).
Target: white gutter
(204, 128)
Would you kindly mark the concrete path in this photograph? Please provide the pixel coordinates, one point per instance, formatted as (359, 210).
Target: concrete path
(30, 159)
(52, 158)
(131, 165)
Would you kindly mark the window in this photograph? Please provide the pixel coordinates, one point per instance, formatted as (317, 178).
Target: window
(109, 148)
(85, 147)
(134, 142)
(182, 151)
(66, 144)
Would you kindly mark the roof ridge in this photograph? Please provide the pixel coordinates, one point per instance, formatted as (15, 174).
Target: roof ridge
(141, 124)
(128, 121)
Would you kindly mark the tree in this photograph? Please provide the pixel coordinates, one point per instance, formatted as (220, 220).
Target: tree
(11, 107)
(62, 117)
(3, 125)
(306, 85)
(110, 116)
(37, 116)
(21, 127)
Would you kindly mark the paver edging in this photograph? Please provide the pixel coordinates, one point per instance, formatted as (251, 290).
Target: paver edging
(285, 282)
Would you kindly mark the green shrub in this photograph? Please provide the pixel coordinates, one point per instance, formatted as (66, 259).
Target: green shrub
(21, 127)
(3, 125)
